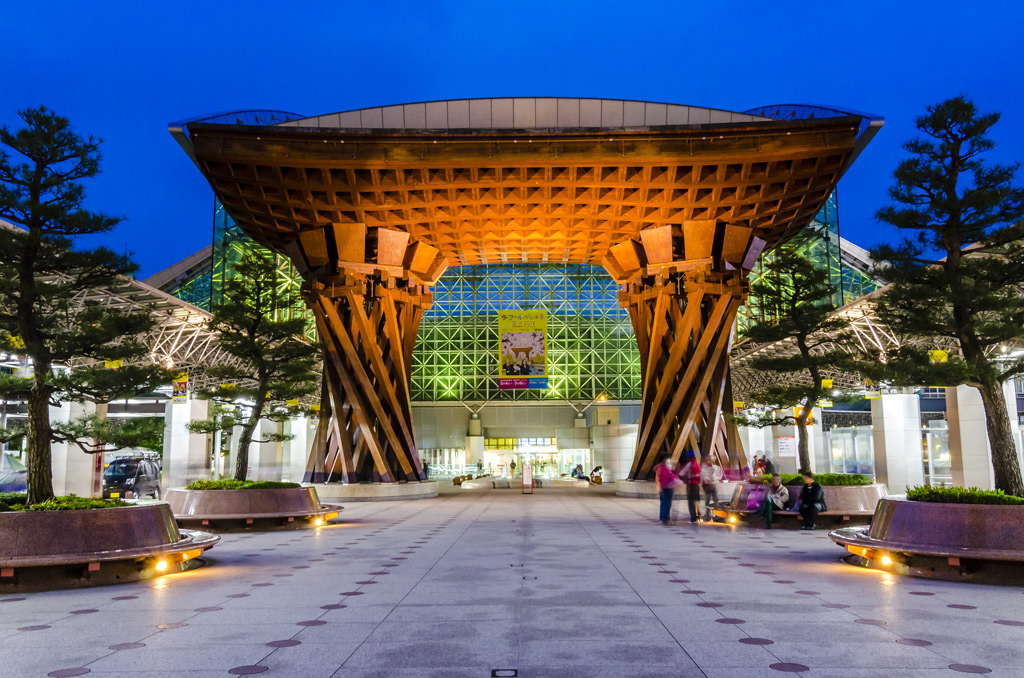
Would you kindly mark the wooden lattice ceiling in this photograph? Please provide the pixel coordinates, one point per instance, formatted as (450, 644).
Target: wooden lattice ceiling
(513, 196)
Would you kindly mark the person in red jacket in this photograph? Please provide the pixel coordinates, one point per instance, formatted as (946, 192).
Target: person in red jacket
(667, 481)
(690, 474)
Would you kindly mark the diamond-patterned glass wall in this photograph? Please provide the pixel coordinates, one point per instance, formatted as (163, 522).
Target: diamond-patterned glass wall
(820, 243)
(591, 349)
(229, 246)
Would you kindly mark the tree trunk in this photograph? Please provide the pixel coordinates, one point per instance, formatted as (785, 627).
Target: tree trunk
(40, 470)
(245, 440)
(801, 427)
(1001, 439)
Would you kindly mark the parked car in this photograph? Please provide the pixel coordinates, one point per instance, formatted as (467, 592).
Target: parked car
(15, 481)
(131, 477)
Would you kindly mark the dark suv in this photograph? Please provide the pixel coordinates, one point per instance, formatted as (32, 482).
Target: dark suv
(131, 477)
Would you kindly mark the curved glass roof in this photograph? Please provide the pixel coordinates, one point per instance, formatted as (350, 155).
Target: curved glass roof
(523, 113)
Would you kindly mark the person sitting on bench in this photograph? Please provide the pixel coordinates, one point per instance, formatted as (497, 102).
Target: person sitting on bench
(774, 500)
(812, 501)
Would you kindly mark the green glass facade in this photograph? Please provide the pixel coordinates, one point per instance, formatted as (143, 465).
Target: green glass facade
(591, 348)
(820, 243)
(590, 345)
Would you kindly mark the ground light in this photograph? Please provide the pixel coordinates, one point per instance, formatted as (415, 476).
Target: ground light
(886, 560)
(318, 522)
(161, 566)
(732, 519)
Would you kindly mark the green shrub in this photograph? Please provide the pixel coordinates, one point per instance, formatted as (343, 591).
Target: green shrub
(232, 484)
(824, 479)
(16, 502)
(962, 495)
(12, 501)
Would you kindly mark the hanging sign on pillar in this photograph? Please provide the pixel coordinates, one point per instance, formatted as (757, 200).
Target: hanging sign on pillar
(938, 355)
(522, 359)
(826, 383)
(179, 388)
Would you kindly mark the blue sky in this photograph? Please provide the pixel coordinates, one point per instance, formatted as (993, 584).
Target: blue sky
(123, 70)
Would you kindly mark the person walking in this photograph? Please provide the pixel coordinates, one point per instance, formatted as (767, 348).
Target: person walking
(691, 476)
(774, 500)
(512, 467)
(812, 501)
(710, 476)
(667, 481)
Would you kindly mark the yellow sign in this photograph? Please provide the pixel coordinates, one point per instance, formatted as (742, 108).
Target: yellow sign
(179, 388)
(797, 411)
(294, 402)
(522, 357)
(111, 364)
(872, 395)
(315, 407)
(824, 403)
(826, 383)
(938, 355)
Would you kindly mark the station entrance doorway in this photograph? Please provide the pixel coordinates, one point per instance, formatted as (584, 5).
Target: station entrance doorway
(543, 454)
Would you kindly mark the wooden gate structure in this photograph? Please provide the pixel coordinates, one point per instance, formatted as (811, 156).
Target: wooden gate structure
(677, 202)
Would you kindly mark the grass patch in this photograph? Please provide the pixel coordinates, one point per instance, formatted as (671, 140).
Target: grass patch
(232, 484)
(824, 479)
(16, 502)
(962, 495)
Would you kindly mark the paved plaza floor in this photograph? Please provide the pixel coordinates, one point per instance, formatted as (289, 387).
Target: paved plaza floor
(560, 583)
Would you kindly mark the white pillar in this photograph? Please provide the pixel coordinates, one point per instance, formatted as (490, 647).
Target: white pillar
(896, 434)
(821, 454)
(815, 445)
(296, 450)
(186, 455)
(969, 451)
(265, 458)
(72, 468)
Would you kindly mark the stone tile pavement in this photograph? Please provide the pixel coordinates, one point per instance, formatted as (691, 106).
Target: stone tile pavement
(559, 584)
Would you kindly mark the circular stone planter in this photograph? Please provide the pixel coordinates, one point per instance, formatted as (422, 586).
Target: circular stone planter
(345, 492)
(282, 508)
(69, 549)
(978, 542)
(850, 500)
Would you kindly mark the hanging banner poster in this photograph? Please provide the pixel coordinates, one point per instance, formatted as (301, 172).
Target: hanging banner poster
(179, 388)
(523, 360)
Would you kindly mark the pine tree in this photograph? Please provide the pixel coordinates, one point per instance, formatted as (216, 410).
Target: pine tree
(797, 297)
(276, 362)
(63, 341)
(957, 279)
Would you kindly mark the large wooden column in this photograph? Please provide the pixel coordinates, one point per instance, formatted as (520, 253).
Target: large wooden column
(683, 286)
(367, 289)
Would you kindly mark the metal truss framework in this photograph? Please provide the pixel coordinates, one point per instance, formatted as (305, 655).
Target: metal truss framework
(179, 338)
(865, 328)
